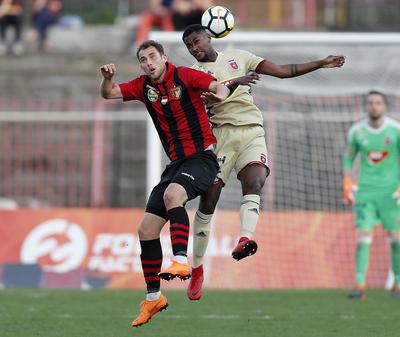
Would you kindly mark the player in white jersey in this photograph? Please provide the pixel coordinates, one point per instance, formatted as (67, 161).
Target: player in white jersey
(238, 127)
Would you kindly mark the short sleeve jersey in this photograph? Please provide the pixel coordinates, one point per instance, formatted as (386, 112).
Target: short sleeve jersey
(176, 109)
(238, 108)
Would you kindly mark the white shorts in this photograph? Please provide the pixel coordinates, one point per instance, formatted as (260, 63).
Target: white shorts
(239, 146)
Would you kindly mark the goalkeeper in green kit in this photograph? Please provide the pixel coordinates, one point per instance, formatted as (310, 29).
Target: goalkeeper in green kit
(376, 197)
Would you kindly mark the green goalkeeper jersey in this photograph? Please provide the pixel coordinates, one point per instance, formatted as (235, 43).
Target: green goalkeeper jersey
(379, 151)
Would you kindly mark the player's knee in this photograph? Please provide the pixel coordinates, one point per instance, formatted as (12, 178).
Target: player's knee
(172, 199)
(146, 232)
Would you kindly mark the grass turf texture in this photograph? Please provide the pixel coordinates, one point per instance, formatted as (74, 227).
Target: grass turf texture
(98, 313)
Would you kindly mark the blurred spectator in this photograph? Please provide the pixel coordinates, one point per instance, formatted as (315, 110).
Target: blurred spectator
(188, 12)
(45, 14)
(159, 15)
(11, 16)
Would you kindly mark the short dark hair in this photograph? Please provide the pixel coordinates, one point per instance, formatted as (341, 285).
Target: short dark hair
(193, 29)
(150, 43)
(376, 92)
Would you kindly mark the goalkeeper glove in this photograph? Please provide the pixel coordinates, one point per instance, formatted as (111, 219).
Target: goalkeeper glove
(348, 190)
(396, 195)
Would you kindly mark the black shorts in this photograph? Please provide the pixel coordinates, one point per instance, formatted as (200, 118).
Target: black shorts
(195, 174)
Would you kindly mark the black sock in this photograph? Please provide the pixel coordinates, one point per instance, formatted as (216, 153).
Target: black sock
(179, 230)
(151, 258)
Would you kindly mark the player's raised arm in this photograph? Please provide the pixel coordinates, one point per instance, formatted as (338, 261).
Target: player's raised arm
(108, 88)
(293, 70)
(217, 93)
(248, 79)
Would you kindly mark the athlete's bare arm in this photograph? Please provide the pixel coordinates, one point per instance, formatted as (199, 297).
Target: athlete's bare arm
(248, 79)
(293, 70)
(108, 88)
(217, 93)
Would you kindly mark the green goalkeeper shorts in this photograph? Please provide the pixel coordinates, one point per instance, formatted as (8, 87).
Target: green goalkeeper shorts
(371, 209)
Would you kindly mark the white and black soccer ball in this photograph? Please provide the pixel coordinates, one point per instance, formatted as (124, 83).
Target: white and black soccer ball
(218, 21)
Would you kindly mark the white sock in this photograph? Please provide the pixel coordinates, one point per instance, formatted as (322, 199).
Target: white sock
(181, 259)
(153, 296)
(249, 212)
(201, 235)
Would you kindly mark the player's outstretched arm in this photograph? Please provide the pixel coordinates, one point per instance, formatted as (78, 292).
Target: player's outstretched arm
(248, 79)
(217, 93)
(108, 88)
(293, 70)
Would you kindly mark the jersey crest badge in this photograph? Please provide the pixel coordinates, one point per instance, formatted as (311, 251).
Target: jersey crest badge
(233, 64)
(152, 95)
(176, 92)
(164, 100)
(388, 140)
(375, 157)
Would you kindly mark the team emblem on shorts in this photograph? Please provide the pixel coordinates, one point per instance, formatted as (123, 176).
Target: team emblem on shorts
(263, 158)
(176, 91)
(233, 64)
(152, 95)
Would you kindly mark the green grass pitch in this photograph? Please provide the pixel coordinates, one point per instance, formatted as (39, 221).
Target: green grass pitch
(106, 313)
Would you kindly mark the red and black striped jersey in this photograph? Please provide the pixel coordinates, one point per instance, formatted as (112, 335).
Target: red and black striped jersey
(176, 109)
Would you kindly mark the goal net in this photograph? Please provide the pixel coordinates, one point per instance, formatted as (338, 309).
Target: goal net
(305, 234)
(107, 155)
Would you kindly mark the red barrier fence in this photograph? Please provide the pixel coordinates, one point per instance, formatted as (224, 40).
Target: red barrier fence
(100, 247)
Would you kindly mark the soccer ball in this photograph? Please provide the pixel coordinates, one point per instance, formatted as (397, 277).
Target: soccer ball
(218, 21)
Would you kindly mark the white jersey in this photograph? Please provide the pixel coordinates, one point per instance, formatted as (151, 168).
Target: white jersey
(238, 108)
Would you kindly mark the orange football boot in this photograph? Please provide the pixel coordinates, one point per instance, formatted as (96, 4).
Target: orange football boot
(176, 269)
(148, 309)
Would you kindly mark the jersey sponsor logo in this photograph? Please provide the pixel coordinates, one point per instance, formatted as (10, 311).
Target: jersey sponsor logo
(375, 157)
(233, 64)
(152, 95)
(176, 92)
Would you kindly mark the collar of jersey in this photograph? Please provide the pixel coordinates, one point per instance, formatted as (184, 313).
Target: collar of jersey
(373, 130)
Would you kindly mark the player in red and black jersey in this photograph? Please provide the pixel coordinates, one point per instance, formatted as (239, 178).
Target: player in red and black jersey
(173, 97)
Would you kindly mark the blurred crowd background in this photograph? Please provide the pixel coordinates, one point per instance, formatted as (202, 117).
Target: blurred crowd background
(31, 19)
